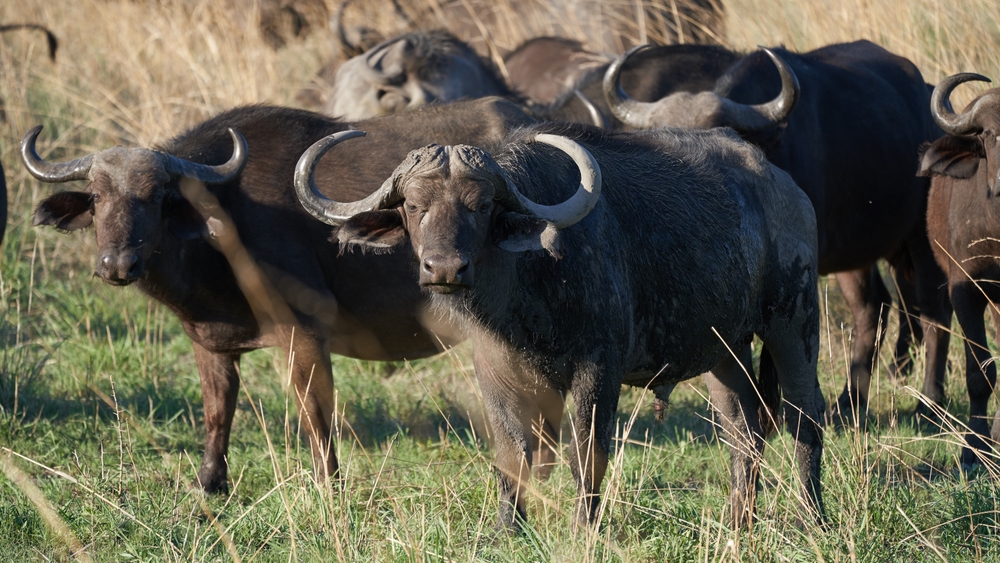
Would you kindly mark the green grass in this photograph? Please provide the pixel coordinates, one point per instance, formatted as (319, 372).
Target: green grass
(100, 406)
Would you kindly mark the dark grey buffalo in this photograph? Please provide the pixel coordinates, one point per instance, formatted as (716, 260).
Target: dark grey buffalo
(310, 301)
(282, 20)
(409, 71)
(846, 121)
(579, 261)
(963, 223)
(559, 76)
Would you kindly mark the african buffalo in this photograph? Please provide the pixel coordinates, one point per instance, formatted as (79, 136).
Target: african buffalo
(556, 75)
(963, 223)
(281, 20)
(409, 71)
(846, 122)
(688, 244)
(308, 299)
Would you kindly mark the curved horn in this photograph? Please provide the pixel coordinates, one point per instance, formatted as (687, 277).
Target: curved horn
(347, 49)
(748, 118)
(583, 201)
(219, 174)
(596, 115)
(743, 117)
(944, 116)
(50, 37)
(627, 110)
(318, 205)
(49, 172)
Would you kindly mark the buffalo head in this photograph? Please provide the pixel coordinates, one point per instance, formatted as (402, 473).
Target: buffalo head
(701, 110)
(131, 197)
(973, 136)
(453, 203)
(410, 71)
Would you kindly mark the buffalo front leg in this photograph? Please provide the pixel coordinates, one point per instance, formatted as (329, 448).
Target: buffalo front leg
(867, 296)
(980, 371)
(935, 317)
(910, 330)
(736, 399)
(523, 410)
(220, 385)
(312, 383)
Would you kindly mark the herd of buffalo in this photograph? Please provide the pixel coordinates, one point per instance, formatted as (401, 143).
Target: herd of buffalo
(586, 221)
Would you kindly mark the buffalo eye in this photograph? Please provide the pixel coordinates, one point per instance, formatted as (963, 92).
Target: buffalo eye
(411, 208)
(485, 207)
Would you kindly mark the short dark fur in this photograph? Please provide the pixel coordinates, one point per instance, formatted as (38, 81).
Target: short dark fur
(543, 64)
(361, 306)
(851, 145)
(693, 233)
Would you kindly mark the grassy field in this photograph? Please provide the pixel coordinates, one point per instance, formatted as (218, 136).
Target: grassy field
(100, 405)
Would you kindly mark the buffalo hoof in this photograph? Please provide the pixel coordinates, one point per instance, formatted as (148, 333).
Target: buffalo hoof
(211, 483)
(900, 369)
(848, 413)
(978, 453)
(928, 417)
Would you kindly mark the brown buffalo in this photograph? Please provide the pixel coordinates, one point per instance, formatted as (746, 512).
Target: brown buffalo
(963, 223)
(306, 299)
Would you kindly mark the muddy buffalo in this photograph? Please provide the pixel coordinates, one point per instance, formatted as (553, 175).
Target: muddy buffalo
(307, 299)
(579, 261)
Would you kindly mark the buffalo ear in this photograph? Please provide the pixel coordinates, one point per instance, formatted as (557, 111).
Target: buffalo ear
(515, 232)
(373, 229)
(182, 219)
(66, 211)
(957, 157)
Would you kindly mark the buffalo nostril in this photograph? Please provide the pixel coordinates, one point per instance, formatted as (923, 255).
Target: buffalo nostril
(131, 263)
(429, 264)
(107, 261)
(463, 266)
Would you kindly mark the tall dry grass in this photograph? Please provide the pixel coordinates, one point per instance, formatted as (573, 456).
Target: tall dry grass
(140, 71)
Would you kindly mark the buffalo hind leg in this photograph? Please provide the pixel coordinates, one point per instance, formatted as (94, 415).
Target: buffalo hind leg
(736, 399)
(312, 383)
(595, 394)
(793, 346)
(867, 297)
(220, 386)
(980, 371)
